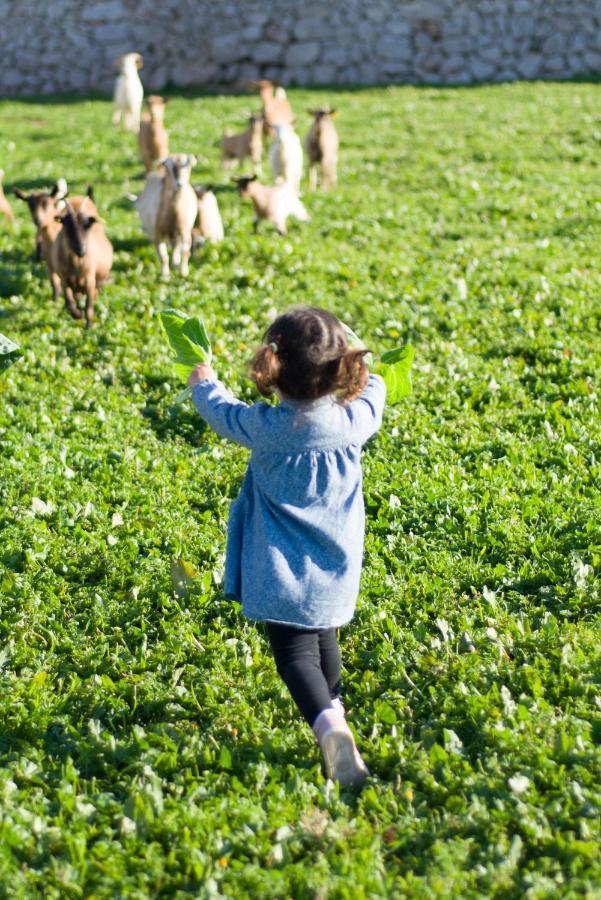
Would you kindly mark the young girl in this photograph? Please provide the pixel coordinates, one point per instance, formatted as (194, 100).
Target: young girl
(295, 534)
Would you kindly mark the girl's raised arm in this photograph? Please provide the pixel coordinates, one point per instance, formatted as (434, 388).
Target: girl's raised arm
(229, 417)
(365, 413)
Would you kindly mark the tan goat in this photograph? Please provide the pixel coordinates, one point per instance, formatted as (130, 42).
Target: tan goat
(153, 139)
(178, 209)
(276, 107)
(321, 145)
(274, 203)
(5, 207)
(247, 143)
(44, 206)
(82, 256)
(168, 207)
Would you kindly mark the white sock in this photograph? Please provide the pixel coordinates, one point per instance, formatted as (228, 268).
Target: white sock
(328, 719)
(338, 704)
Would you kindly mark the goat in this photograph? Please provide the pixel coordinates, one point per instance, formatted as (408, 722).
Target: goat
(168, 207)
(274, 203)
(5, 208)
(82, 256)
(209, 225)
(153, 139)
(247, 143)
(321, 145)
(286, 156)
(276, 107)
(128, 94)
(44, 206)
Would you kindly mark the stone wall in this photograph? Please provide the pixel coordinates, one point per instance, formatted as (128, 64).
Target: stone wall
(52, 46)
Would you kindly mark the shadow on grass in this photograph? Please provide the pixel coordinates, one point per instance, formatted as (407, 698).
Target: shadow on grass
(129, 245)
(173, 422)
(14, 263)
(244, 90)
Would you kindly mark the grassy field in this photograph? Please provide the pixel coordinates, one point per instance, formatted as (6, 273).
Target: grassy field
(147, 746)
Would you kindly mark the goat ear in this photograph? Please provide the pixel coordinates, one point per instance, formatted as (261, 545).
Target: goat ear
(192, 160)
(20, 194)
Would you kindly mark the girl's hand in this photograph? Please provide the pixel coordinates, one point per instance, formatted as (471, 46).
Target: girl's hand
(202, 372)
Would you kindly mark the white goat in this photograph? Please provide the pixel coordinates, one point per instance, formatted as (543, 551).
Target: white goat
(209, 226)
(129, 92)
(286, 156)
(274, 203)
(168, 207)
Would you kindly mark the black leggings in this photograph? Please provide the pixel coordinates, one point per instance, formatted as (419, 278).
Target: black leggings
(308, 660)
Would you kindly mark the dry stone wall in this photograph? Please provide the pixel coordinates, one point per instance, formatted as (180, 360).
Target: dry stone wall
(58, 46)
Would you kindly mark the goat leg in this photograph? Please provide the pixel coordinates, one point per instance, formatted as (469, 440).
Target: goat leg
(56, 286)
(163, 255)
(70, 304)
(90, 298)
(185, 257)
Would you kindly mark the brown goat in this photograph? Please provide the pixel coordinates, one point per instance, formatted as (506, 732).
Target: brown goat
(246, 143)
(321, 145)
(153, 139)
(5, 207)
(44, 206)
(82, 257)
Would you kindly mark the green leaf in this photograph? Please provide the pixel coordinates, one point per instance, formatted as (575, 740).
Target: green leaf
(385, 712)
(394, 367)
(187, 337)
(225, 758)
(9, 352)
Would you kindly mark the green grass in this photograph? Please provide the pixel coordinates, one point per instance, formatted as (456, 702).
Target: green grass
(147, 745)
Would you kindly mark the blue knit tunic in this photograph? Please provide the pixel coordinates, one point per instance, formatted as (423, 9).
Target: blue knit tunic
(296, 530)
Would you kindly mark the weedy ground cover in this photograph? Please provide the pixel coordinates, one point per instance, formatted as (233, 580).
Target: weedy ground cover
(147, 746)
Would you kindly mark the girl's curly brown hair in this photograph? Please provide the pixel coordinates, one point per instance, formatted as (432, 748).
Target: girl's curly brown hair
(306, 355)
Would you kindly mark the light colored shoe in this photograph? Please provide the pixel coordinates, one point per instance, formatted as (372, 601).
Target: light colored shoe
(342, 759)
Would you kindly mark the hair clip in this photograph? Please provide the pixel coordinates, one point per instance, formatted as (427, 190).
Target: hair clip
(273, 346)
